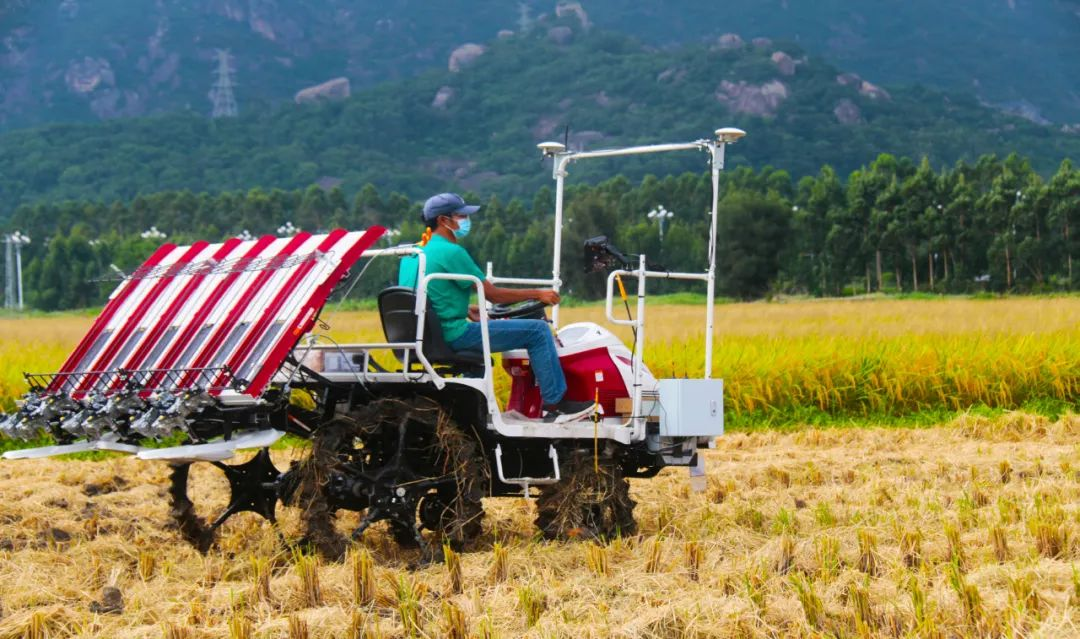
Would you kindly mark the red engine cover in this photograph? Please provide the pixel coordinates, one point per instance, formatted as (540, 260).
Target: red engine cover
(585, 372)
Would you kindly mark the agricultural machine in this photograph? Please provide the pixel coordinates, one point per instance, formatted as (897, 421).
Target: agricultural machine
(209, 349)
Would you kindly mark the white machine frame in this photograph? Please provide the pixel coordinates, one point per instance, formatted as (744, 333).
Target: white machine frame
(614, 428)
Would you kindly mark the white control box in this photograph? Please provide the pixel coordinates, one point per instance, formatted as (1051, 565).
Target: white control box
(691, 407)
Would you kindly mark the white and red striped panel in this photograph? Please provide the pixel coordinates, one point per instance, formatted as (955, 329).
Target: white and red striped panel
(207, 306)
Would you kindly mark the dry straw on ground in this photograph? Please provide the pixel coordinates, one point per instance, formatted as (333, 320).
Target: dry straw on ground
(853, 532)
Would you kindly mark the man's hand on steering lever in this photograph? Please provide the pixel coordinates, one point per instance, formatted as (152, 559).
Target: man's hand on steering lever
(499, 295)
(551, 298)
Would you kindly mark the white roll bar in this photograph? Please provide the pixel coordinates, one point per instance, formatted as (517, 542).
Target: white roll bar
(715, 147)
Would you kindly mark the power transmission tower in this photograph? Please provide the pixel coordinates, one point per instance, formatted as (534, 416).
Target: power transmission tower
(222, 93)
(524, 17)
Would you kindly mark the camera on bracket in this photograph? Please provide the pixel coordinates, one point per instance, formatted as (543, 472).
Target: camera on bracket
(601, 255)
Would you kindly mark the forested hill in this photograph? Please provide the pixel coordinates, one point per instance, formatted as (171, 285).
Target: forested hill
(476, 129)
(72, 60)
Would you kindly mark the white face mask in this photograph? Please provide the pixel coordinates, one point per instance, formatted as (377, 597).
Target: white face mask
(463, 228)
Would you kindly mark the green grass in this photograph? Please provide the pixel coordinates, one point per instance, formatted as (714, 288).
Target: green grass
(812, 417)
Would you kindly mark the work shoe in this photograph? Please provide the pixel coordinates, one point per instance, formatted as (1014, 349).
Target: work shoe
(568, 411)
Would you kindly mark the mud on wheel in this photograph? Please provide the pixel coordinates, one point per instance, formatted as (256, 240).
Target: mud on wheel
(591, 502)
(404, 461)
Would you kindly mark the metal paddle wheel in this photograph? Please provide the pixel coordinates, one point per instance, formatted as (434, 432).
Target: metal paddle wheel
(253, 487)
(402, 461)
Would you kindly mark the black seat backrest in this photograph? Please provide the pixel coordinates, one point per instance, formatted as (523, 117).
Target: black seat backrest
(397, 310)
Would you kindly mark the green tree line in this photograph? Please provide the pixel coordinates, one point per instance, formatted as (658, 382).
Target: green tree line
(895, 225)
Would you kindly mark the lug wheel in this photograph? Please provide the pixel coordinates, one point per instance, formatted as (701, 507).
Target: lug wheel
(589, 503)
(405, 462)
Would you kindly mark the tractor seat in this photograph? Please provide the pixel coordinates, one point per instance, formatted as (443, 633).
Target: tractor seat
(397, 310)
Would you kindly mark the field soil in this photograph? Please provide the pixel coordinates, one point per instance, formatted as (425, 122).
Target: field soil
(965, 529)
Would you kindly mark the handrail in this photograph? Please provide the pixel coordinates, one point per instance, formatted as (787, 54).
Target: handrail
(609, 300)
(521, 281)
(484, 337)
(669, 275)
(408, 249)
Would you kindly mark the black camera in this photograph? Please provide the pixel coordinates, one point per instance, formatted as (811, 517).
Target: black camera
(601, 255)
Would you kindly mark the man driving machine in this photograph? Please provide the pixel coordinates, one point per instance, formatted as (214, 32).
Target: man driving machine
(448, 219)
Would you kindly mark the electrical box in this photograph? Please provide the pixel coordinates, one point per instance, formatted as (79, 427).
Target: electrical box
(691, 407)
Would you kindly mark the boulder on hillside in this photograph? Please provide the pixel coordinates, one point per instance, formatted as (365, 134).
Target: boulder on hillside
(730, 41)
(116, 103)
(83, 76)
(873, 91)
(784, 63)
(544, 127)
(575, 9)
(847, 112)
(671, 74)
(336, 89)
(868, 89)
(579, 140)
(442, 97)
(560, 35)
(465, 55)
(753, 99)
(848, 79)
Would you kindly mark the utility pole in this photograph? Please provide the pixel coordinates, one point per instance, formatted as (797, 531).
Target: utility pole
(287, 229)
(9, 272)
(660, 214)
(222, 92)
(13, 286)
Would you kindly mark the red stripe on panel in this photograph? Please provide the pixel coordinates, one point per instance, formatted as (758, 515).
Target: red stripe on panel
(192, 326)
(207, 353)
(182, 297)
(132, 321)
(117, 300)
(266, 317)
(318, 298)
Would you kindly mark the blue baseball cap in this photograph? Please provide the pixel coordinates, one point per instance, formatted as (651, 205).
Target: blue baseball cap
(447, 204)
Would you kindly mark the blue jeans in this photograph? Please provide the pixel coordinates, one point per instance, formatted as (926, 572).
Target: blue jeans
(533, 335)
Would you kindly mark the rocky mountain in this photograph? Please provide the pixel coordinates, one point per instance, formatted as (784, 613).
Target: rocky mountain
(475, 127)
(79, 60)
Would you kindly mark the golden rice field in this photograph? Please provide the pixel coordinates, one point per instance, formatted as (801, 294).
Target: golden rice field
(851, 357)
(858, 357)
(971, 529)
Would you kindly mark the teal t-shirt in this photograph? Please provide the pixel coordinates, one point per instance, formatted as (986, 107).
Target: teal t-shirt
(449, 299)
